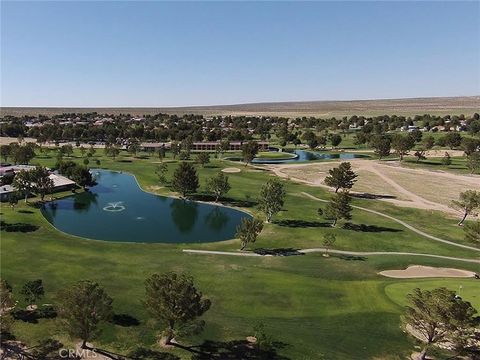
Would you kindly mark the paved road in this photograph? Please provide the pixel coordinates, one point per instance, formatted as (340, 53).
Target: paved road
(354, 253)
(403, 223)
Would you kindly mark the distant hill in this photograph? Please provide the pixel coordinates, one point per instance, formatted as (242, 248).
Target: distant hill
(435, 105)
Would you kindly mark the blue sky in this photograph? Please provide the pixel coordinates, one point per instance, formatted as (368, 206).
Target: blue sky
(194, 53)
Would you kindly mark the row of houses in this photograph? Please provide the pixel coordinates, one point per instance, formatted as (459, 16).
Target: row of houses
(7, 173)
(204, 146)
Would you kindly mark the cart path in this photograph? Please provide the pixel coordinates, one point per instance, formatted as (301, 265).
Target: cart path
(403, 223)
(331, 251)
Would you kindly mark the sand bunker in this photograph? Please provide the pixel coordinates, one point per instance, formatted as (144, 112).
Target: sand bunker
(231, 170)
(419, 271)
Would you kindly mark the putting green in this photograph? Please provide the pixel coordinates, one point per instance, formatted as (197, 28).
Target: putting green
(468, 289)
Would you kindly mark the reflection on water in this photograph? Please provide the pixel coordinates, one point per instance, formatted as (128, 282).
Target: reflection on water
(304, 155)
(116, 209)
(216, 219)
(184, 215)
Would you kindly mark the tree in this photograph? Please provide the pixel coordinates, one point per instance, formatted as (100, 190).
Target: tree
(82, 307)
(67, 150)
(161, 172)
(272, 198)
(161, 153)
(437, 316)
(428, 142)
(32, 291)
(218, 185)
(133, 147)
(248, 231)
(381, 145)
(7, 304)
(224, 146)
(203, 158)
(91, 151)
(470, 145)
(446, 159)
(472, 231)
(337, 208)
(328, 241)
(112, 151)
(416, 135)
(22, 154)
(5, 152)
(43, 184)
(335, 140)
(23, 181)
(264, 341)
(453, 140)
(185, 179)
(473, 162)
(13, 200)
(402, 145)
(420, 154)
(174, 301)
(468, 202)
(78, 173)
(313, 143)
(342, 177)
(249, 151)
(83, 150)
(175, 149)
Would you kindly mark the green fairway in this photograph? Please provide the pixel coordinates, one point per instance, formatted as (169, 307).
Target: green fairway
(338, 307)
(274, 155)
(466, 288)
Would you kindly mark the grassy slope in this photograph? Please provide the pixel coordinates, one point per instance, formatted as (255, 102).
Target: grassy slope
(308, 302)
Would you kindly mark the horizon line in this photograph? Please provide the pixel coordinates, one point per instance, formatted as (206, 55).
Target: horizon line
(236, 104)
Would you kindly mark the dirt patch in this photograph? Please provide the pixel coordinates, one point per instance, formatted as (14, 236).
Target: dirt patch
(391, 182)
(419, 271)
(231, 170)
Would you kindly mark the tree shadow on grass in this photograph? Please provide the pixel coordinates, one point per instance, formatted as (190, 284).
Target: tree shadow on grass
(235, 350)
(125, 320)
(278, 252)
(18, 227)
(301, 223)
(372, 196)
(368, 228)
(47, 312)
(25, 211)
(349, 257)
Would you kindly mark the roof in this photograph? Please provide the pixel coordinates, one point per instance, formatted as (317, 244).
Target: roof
(7, 189)
(59, 180)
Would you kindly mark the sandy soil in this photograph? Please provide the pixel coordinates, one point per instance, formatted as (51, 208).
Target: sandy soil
(419, 271)
(407, 107)
(402, 186)
(231, 170)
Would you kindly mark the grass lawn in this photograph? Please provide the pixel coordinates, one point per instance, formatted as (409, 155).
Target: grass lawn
(275, 155)
(338, 307)
(458, 165)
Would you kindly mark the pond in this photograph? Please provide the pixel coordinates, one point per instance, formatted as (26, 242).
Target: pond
(304, 155)
(116, 209)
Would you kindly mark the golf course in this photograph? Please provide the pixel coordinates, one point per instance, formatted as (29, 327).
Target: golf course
(312, 306)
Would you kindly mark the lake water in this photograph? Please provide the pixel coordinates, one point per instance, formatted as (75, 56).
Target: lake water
(116, 209)
(304, 155)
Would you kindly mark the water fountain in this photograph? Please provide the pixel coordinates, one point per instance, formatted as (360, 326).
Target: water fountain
(114, 206)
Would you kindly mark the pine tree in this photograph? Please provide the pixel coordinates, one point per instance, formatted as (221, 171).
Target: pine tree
(185, 179)
(341, 177)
